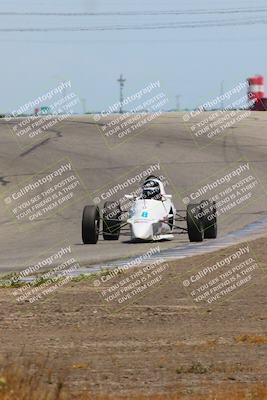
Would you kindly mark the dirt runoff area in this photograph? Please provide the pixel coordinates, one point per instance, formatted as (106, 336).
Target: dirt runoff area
(185, 327)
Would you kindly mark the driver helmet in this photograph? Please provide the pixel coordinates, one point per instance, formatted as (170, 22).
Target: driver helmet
(151, 189)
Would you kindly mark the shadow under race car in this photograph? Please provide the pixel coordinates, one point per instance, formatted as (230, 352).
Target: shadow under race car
(150, 217)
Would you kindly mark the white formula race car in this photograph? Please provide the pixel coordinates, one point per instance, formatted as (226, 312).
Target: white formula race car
(152, 216)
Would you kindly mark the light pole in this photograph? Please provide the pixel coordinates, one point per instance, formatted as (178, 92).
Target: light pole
(121, 82)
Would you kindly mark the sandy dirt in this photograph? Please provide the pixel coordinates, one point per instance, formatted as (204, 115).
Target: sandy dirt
(159, 343)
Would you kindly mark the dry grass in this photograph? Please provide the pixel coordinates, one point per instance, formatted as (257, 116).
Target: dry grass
(251, 339)
(36, 381)
(28, 381)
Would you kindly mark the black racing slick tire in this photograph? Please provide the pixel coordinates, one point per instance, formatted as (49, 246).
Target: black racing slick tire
(90, 224)
(194, 223)
(111, 220)
(209, 219)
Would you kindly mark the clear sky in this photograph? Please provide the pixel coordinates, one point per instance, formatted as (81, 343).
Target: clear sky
(190, 61)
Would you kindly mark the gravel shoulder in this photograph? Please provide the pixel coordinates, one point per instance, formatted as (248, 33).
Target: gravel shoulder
(159, 343)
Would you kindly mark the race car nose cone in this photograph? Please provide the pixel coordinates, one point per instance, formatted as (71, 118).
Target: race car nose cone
(142, 231)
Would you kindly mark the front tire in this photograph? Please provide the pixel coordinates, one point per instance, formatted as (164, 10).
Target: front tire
(90, 224)
(194, 224)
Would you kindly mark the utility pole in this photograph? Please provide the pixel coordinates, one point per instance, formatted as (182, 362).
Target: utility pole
(178, 102)
(121, 82)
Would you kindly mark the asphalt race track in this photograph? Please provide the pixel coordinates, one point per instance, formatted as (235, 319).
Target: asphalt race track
(101, 164)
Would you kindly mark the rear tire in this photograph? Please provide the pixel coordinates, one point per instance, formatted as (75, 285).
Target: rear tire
(209, 219)
(90, 224)
(111, 220)
(194, 224)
